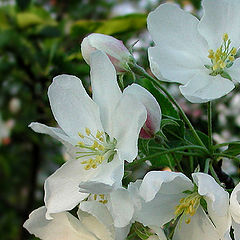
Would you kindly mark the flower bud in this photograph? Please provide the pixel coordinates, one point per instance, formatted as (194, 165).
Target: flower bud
(114, 48)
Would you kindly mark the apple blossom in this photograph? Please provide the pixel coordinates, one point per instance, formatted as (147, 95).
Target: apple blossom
(200, 55)
(172, 196)
(114, 48)
(93, 223)
(235, 210)
(99, 133)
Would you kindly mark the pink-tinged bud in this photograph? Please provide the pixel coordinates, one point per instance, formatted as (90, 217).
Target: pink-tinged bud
(152, 124)
(114, 48)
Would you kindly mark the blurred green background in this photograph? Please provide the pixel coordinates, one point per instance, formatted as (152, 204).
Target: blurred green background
(40, 39)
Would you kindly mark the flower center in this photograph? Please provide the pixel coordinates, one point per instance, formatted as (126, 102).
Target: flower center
(98, 148)
(187, 207)
(100, 198)
(222, 58)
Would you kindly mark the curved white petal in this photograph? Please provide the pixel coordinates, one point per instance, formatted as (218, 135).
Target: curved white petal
(128, 119)
(235, 204)
(121, 233)
(220, 17)
(121, 207)
(236, 228)
(163, 182)
(160, 233)
(217, 202)
(72, 108)
(203, 88)
(56, 133)
(108, 176)
(199, 228)
(179, 46)
(158, 211)
(106, 92)
(234, 71)
(97, 219)
(62, 187)
(153, 109)
(63, 226)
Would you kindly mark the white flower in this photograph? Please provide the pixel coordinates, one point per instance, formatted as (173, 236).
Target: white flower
(114, 48)
(235, 210)
(94, 222)
(100, 133)
(200, 55)
(170, 196)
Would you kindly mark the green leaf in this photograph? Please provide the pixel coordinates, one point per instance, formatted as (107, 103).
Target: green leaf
(166, 106)
(189, 136)
(233, 149)
(127, 23)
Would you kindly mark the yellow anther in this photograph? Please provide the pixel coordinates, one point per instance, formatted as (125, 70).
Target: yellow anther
(231, 58)
(225, 37)
(104, 201)
(87, 167)
(80, 135)
(234, 51)
(222, 64)
(95, 144)
(95, 197)
(101, 196)
(84, 162)
(211, 54)
(87, 130)
(101, 147)
(101, 139)
(94, 165)
(81, 144)
(99, 134)
(188, 220)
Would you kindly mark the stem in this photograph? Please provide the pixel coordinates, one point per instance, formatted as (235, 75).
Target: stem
(210, 138)
(224, 144)
(214, 174)
(140, 71)
(227, 156)
(142, 160)
(206, 168)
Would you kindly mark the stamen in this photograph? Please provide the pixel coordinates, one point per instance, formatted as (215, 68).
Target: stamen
(222, 58)
(99, 149)
(187, 207)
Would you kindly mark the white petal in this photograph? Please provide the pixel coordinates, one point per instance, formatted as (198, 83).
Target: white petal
(62, 187)
(236, 228)
(160, 233)
(235, 204)
(203, 87)
(56, 133)
(179, 46)
(217, 201)
(73, 109)
(165, 183)
(200, 228)
(108, 176)
(128, 119)
(106, 92)
(234, 71)
(99, 221)
(220, 17)
(155, 212)
(63, 226)
(121, 207)
(153, 109)
(121, 233)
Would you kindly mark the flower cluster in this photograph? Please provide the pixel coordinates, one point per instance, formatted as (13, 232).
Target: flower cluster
(101, 135)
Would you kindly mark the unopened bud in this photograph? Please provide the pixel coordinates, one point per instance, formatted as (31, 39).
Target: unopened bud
(114, 48)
